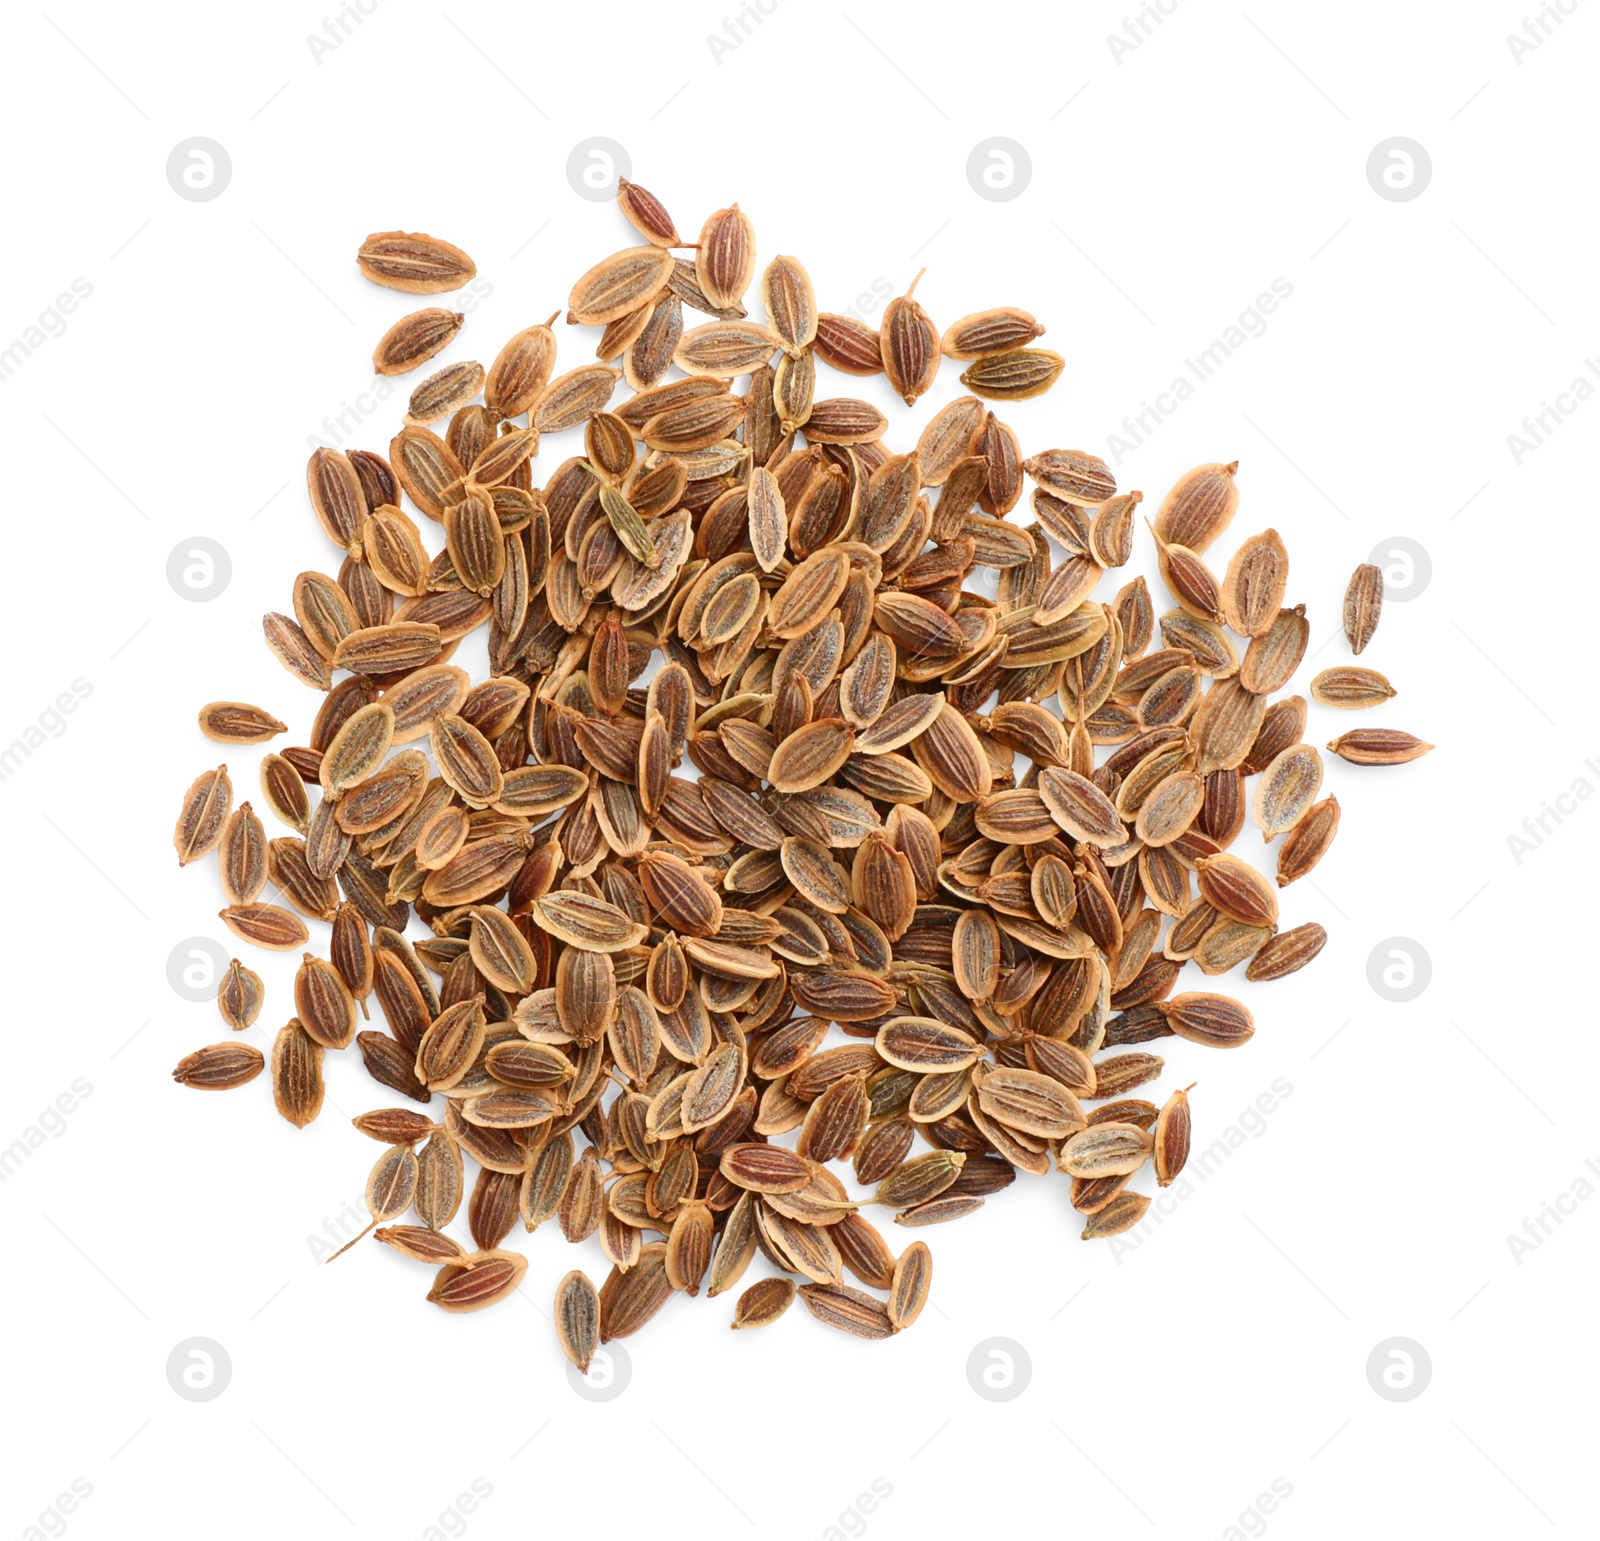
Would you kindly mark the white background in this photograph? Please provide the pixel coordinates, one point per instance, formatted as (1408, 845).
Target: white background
(1171, 1383)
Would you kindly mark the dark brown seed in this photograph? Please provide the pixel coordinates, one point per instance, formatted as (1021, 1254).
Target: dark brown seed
(1287, 953)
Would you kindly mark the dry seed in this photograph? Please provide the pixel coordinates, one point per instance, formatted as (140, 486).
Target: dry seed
(1307, 843)
(1288, 787)
(1351, 688)
(763, 1303)
(220, 1067)
(834, 670)
(1287, 952)
(418, 264)
(1015, 375)
(1379, 746)
(414, 339)
(237, 722)
(1363, 605)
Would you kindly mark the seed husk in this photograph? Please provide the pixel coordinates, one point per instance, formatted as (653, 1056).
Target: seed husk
(1351, 689)
(910, 345)
(1379, 746)
(219, 1067)
(848, 1310)
(1287, 952)
(297, 1074)
(1289, 786)
(1121, 1214)
(237, 722)
(1015, 375)
(414, 339)
(763, 1303)
(1307, 843)
(477, 1280)
(416, 264)
(578, 1318)
(1363, 605)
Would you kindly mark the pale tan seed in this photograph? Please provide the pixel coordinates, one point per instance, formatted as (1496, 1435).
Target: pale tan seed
(297, 1074)
(725, 257)
(989, 331)
(1106, 1150)
(763, 1303)
(1350, 689)
(417, 264)
(790, 303)
(1379, 746)
(1199, 508)
(1120, 1214)
(477, 1280)
(577, 1312)
(1289, 786)
(618, 285)
(237, 722)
